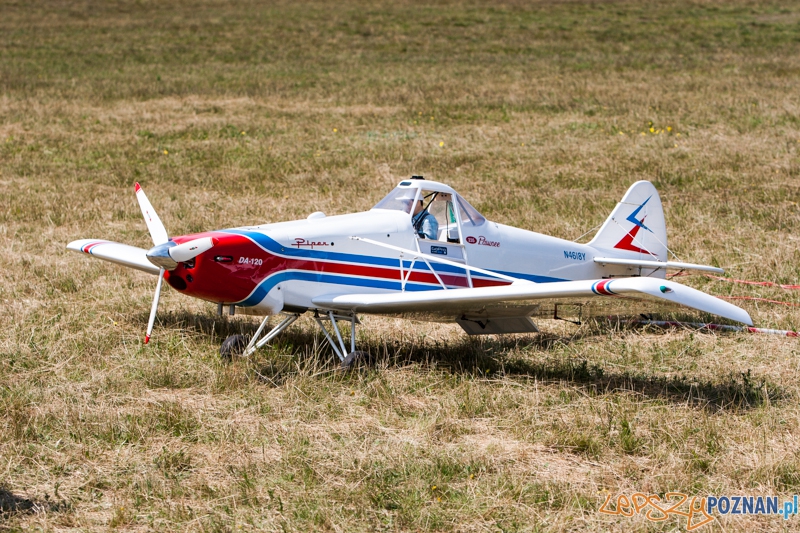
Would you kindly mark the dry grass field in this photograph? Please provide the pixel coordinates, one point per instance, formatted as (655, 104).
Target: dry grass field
(540, 113)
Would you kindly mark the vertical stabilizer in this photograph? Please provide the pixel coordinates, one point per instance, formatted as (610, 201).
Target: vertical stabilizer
(635, 228)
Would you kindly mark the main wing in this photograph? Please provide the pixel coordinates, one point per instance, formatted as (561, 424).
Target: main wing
(515, 303)
(121, 254)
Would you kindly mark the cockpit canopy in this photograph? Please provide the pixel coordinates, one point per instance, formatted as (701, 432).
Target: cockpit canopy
(400, 199)
(437, 198)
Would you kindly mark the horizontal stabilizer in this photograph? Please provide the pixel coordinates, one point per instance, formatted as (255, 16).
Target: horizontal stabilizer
(121, 254)
(460, 301)
(656, 264)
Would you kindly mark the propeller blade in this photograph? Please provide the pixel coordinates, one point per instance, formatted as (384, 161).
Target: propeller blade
(190, 250)
(157, 230)
(154, 306)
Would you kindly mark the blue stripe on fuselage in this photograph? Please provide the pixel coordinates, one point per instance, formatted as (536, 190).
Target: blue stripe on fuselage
(276, 248)
(273, 246)
(293, 275)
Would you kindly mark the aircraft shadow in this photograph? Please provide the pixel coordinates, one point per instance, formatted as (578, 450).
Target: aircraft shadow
(533, 357)
(11, 504)
(515, 357)
(14, 505)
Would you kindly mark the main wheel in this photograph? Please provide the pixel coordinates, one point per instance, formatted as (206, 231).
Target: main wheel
(233, 345)
(353, 359)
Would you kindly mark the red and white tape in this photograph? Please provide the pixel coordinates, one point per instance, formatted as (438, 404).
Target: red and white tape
(759, 283)
(718, 327)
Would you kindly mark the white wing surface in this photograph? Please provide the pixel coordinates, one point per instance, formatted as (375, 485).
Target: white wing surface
(121, 254)
(537, 299)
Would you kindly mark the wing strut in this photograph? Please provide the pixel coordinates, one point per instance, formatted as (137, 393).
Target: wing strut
(428, 257)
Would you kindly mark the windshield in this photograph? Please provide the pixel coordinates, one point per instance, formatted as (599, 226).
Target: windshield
(400, 199)
(469, 215)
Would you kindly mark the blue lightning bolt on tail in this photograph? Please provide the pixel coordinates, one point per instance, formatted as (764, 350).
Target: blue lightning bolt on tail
(632, 217)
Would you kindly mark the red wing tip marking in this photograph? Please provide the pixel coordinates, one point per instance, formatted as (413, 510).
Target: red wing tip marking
(146, 339)
(87, 249)
(137, 187)
(602, 288)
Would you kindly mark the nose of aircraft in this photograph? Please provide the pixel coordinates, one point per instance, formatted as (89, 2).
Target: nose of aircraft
(221, 267)
(159, 256)
(170, 253)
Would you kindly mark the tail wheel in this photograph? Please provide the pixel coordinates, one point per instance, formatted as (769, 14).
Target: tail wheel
(233, 346)
(355, 359)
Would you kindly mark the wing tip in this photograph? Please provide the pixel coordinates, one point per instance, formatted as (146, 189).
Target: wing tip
(137, 187)
(85, 245)
(75, 246)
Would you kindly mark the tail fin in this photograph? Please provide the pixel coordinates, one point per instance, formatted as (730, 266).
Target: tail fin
(635, 228)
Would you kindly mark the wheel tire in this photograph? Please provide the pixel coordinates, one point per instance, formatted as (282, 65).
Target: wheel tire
(233, 345)
(354, 359)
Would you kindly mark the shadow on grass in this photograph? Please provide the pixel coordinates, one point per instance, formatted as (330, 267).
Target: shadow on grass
(543, 358)
(540, 356)
(11, 504)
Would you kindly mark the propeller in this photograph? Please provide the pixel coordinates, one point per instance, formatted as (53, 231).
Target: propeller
(154, 225)
(165, 254)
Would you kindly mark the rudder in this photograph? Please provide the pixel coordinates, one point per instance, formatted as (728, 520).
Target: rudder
(636, 227)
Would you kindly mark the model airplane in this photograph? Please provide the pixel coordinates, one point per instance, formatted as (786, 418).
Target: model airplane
(423, 252)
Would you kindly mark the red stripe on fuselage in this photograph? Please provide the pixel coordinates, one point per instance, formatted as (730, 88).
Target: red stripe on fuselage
(235, 280)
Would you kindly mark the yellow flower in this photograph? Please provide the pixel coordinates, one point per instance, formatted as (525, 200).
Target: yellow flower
(243, 133)
(165, 151)
(434, 487)
(677, 135)
(335, 130)
(622, 133)
(669, 128)
(652, 129)
(441, 143)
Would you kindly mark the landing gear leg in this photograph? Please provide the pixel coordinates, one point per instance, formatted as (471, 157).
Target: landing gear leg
(238, 345)
(347, 357)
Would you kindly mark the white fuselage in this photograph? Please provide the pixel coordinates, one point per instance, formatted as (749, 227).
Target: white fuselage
(318, 256)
